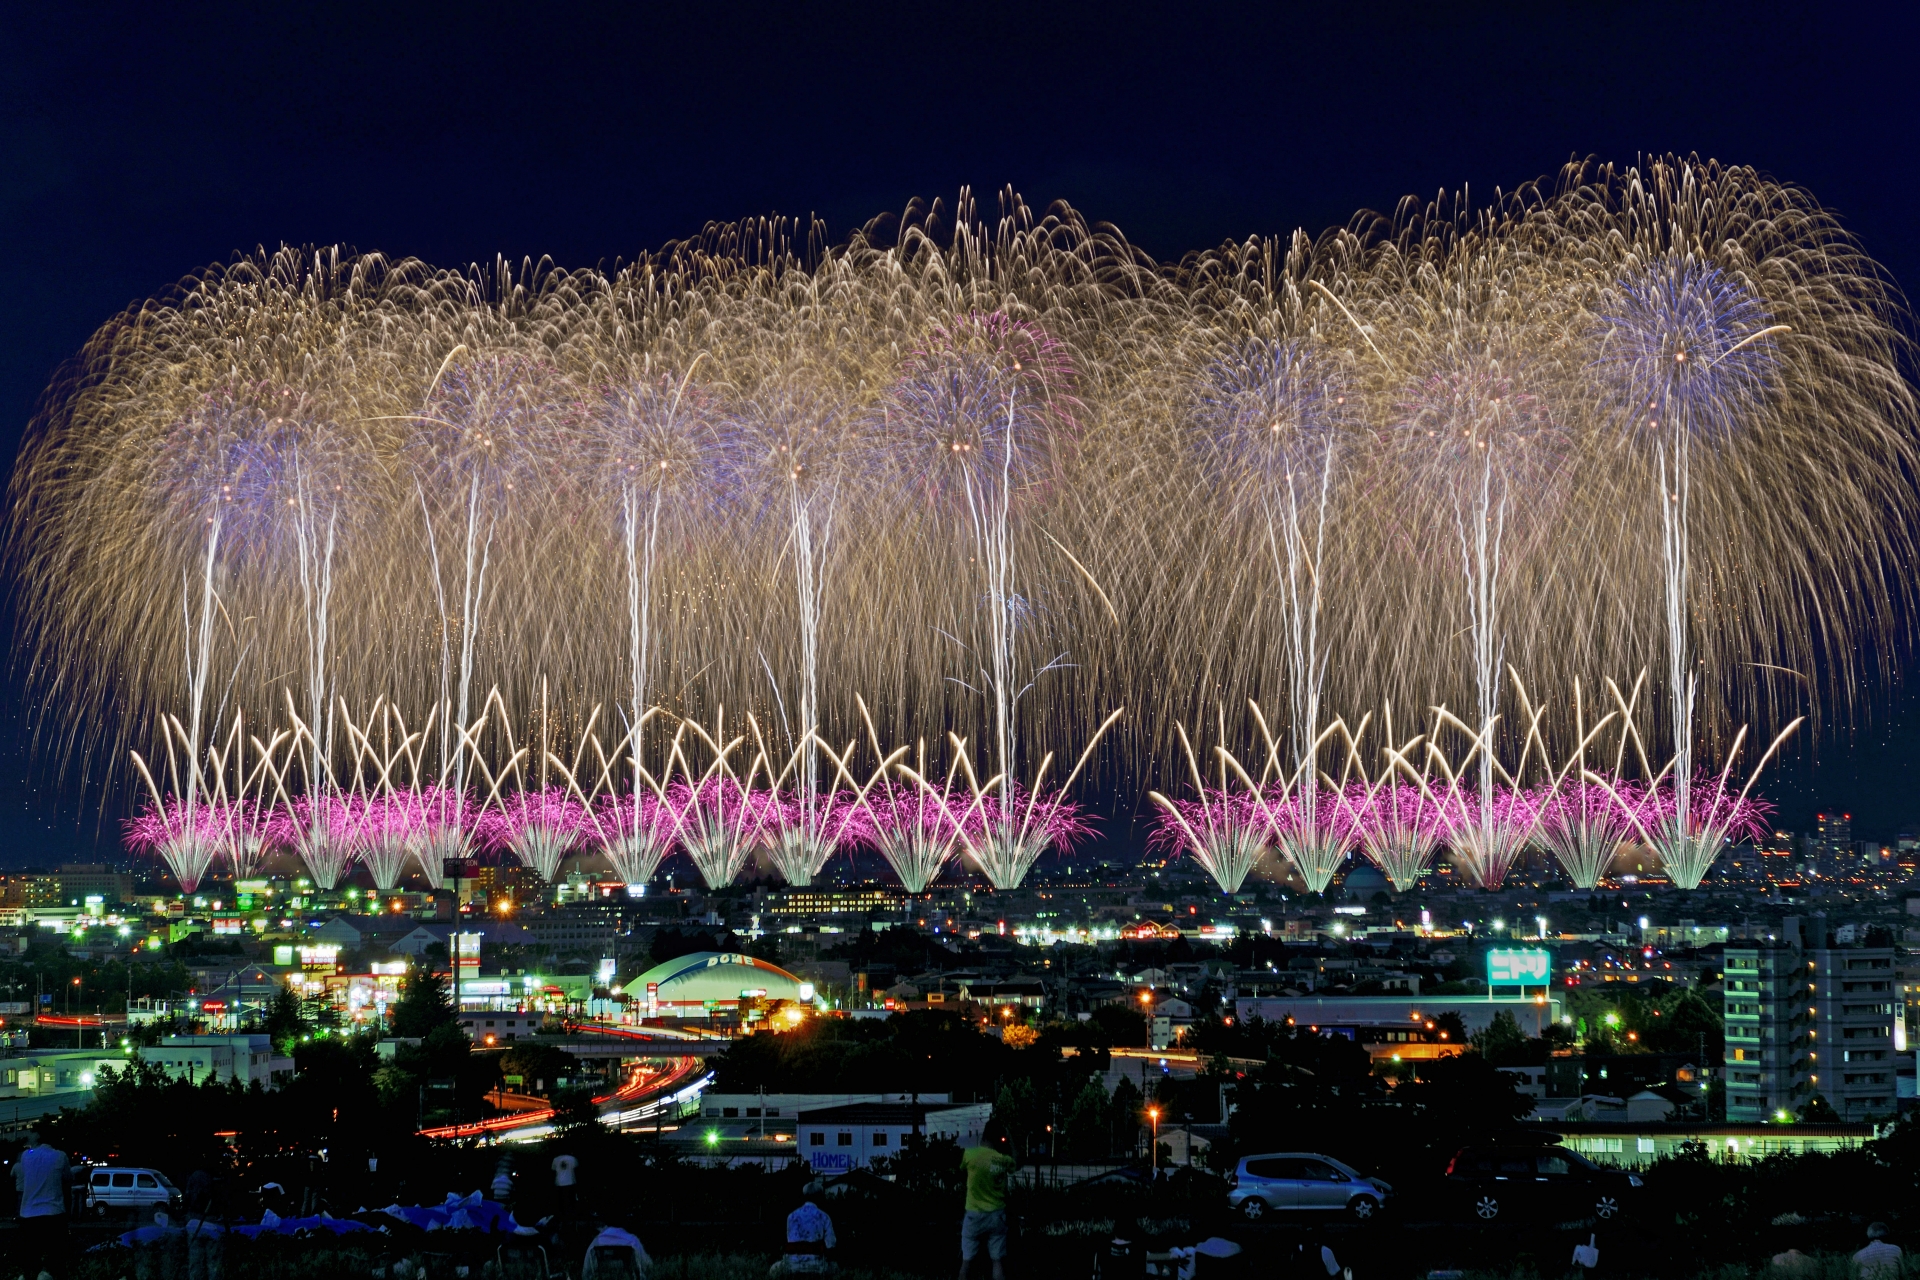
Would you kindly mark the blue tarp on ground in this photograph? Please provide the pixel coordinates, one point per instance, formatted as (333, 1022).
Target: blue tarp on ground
(456, 1213)
(469, 1213)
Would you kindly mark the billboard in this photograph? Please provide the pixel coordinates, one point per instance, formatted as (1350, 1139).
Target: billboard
(1519, 967)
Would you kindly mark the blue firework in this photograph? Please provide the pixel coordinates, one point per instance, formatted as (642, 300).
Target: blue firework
(987, 396)
(267, 462)
(1684, 347)
(1267, 411)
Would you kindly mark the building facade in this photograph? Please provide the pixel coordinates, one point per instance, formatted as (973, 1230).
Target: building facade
(1803, 1017)
(1853, 1003)
(1768, 1031)
(839, 1139)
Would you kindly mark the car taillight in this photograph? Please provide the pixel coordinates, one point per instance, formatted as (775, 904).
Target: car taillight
(1233, 1179)
(1451, 1164)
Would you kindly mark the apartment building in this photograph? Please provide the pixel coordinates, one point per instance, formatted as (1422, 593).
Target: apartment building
(1854, 1009)
(1804, 1016)
(1769, 1026)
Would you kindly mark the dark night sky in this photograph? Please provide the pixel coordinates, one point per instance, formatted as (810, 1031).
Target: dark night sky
(136, 146)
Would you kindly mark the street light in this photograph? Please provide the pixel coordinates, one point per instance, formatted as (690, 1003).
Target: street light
(1153, 1113)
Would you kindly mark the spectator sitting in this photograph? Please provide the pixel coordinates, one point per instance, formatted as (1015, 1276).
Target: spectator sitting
(615, 1255)
(1792, 1262)
(1880, 1258)
(809, 1238)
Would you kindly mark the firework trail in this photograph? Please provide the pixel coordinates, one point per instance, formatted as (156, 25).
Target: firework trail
(1685, 355)
(1273, 417)
(722, 813)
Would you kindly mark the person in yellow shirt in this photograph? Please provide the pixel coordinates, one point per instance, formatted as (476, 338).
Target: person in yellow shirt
(985, 1223)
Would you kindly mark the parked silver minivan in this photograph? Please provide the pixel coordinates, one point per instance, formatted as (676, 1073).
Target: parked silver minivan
(113, 1190)
(1300, 1181)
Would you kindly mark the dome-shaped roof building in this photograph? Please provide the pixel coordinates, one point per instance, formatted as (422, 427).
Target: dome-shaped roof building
(704, 982)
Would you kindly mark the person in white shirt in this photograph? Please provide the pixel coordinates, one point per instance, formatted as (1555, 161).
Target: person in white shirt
(564, 1166)
(1881, 1258)
(809, 1239)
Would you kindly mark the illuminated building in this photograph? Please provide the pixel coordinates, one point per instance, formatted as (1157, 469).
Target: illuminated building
(1768, 1021)
(1804, 1016)
(706, 983)
(1853, 998)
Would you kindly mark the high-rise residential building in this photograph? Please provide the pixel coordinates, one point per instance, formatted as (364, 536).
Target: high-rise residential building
(1768, 1024)
(1806, 1016)
(1854, 1004)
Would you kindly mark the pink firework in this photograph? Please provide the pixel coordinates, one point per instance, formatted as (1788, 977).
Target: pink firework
(1584, 824)
(1006, 832)
(447, 831)
(1398, 826)
(540, 828)
(720, 821)
(1486, 837)
(805, 831)
(1689, 842)
(324, 830)
(1313, 827)
(1226, 832)
(915, 826)
(389, 829)
(636, 832)
(185, 837)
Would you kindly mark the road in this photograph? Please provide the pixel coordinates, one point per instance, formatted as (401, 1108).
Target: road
(650, 1095)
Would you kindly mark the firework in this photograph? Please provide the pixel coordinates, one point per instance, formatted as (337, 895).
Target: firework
(997, 477)
(540, 828)
(1689, 826)
(324, 830)
(1396, 816)
(186, 837)
(1585, 822)
(723, 813)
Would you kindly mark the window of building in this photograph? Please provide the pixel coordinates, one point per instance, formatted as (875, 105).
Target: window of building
(879, 1138)
(731, 1113)
(845, 1140)
(816, 1139)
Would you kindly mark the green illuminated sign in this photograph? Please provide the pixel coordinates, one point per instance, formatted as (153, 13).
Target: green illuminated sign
(1514, 967)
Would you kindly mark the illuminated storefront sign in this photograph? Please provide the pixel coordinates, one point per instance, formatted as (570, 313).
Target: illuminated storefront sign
(1510, 967)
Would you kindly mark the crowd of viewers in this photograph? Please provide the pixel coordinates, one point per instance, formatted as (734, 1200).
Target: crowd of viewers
(38, 1246)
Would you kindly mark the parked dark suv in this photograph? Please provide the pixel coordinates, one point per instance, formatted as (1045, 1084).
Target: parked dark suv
(1496, 1182)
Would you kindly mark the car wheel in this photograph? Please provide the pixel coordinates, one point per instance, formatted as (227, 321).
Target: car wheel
(1606, 1207)
(1254, 1208)
(1363, 1208)
(99, 1211)
(1486, 1208)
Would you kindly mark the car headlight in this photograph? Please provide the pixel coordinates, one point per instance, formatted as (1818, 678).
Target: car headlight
(1633, 1180)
